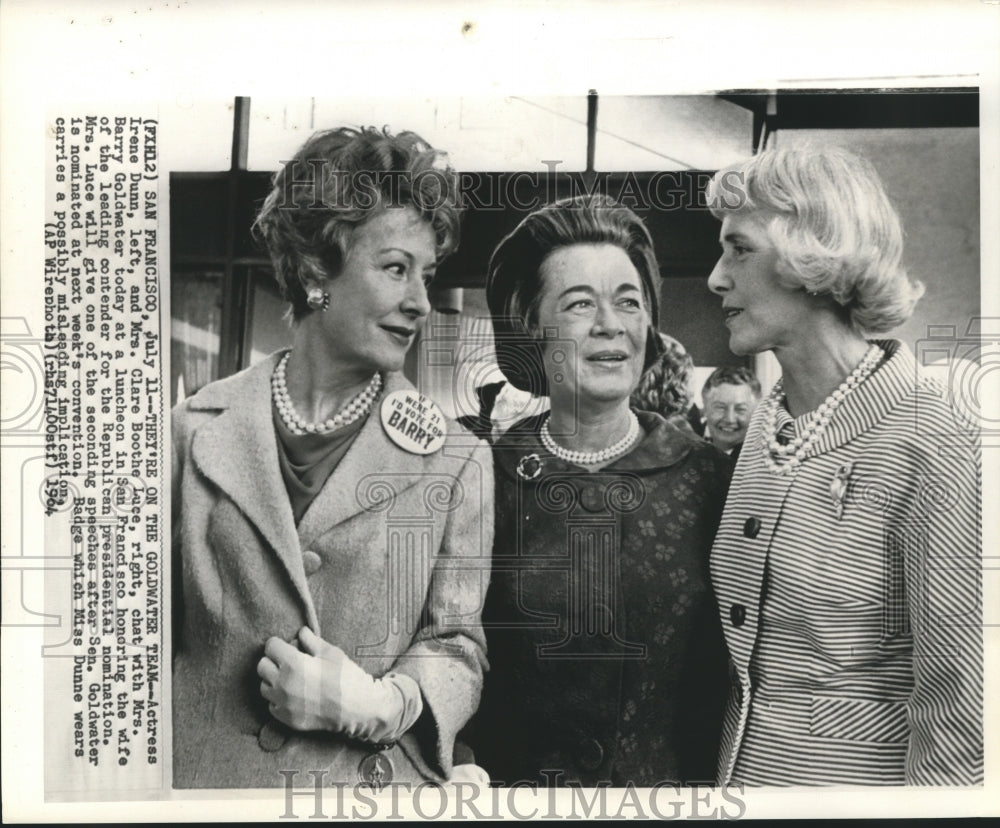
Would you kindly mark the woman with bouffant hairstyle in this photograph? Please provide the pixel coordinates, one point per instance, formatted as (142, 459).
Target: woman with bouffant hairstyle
(847, 561)
(607, 660)
(314, 631)
(516, 277)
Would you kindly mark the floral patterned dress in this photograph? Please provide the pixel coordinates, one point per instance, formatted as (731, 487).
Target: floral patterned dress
(607, 656)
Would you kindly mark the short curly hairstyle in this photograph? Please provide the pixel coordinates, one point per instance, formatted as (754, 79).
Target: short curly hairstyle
(833, 226)
(339, 179)
(666, 387)
(514, 278)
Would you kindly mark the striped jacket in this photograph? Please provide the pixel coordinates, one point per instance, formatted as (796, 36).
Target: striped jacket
(856, 639)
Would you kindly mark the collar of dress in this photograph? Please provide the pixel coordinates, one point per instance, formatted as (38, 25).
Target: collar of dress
(663, 446)
(866, 406)
(238, 451)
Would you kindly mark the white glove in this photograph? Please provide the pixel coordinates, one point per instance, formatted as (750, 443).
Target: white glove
(318, 687)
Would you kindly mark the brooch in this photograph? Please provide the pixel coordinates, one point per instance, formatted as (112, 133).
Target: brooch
(838, 487)
(528, 468)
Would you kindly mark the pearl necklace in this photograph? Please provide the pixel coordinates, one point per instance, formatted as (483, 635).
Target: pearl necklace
(358, 407)
(591, 458)
(786, 458)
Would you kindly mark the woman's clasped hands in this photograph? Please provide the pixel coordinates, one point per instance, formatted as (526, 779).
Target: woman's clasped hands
(316, 686)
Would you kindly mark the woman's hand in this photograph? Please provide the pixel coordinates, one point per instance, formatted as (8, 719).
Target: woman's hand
(318, 687)
(469, 774)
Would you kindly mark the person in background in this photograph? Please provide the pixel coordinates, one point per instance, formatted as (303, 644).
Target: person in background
(666, 386)
(307, 636)
(847, 565)
(730, 394)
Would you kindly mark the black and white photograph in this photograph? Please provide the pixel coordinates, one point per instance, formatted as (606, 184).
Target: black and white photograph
(396, 427)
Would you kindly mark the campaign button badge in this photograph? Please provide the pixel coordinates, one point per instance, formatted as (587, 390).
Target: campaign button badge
(413, 422)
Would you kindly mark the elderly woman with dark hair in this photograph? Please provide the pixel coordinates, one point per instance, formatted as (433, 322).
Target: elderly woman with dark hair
(847, 563)
(329, 530)
(607, 660)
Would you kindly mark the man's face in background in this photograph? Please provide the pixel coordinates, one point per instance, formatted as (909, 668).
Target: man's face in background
(727, 414)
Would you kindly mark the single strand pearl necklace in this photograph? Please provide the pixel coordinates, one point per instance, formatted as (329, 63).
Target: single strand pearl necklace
(786, 458)
(591, 458)
(356, 408)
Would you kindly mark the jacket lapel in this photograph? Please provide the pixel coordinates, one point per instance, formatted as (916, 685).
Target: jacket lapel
(237, 450)
(359, 483)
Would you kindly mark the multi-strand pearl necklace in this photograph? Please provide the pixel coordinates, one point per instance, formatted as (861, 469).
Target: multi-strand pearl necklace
(591, 458)
(786, 458)
(358, 407)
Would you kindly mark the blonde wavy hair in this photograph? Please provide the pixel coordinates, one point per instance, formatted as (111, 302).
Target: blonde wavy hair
(834, 228)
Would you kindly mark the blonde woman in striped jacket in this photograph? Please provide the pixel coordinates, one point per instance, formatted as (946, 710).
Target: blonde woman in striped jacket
(847, 563)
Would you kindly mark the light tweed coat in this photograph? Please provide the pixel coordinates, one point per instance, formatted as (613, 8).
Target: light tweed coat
(390, 563)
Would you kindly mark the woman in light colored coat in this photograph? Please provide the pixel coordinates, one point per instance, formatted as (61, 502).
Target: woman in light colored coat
(847, 563)
(332, 529)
